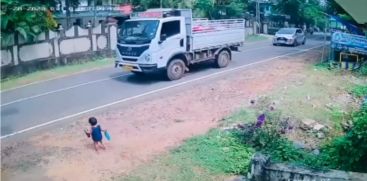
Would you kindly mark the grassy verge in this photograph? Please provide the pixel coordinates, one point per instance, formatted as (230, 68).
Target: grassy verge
(254, 38)
(359, 90)
(224, 151)
(213, 156)
(208, 157)
(60, 71)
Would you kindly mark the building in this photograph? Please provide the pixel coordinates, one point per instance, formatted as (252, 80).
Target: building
(90, 12)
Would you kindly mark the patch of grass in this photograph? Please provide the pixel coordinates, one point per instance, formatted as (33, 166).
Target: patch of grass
(254, 38)
(338, 118)
(296, 104)
(349, 151)
(15, 81)
(240, 116)
(322, 66)
(208, 157)
(362, 70)
(359, 90)
(170, 167)
(308, 97)
(219, 151)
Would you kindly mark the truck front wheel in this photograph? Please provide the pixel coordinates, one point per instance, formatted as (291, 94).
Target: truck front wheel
(176, 69)
(223, 59)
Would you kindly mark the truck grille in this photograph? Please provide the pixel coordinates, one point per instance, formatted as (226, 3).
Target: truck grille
(132, 51)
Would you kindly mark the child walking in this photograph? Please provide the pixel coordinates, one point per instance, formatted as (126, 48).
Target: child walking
(96, 133)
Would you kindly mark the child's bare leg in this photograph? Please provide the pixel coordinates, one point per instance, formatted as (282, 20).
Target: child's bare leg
(95, 146)
(102, 145)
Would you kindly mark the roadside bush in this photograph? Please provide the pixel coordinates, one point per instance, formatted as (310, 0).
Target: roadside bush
(270, 141)
(359, 90)
(363, 69)
(266, 135)
(349, 152)
(325, 65)
(219, 151)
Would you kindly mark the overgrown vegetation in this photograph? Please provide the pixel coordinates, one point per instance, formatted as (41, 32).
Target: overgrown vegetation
(228, 151)
(349, 152)
(308, 12)
(212, 156)
(218, 151)
(313, 95)
(363, 69)
(268, 140)
(28, 19)
(359, 90)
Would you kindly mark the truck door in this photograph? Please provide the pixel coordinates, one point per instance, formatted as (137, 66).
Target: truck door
(172, 39)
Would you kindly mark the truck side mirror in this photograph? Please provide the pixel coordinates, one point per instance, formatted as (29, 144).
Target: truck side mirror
(163, 38)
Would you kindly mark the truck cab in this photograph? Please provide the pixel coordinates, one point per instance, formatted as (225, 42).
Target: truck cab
(165, 39)
(147, 42)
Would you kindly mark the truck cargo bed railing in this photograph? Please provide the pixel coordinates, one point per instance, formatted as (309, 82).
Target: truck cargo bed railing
(205, 26)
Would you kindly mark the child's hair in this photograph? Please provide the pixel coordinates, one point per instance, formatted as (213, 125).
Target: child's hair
(92, 121)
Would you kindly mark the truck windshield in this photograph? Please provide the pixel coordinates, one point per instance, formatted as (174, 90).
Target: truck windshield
(138, 32)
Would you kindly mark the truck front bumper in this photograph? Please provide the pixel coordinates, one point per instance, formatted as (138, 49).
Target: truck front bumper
(146, 68)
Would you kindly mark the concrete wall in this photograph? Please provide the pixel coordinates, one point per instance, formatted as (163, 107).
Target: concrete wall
(249, 28)
(263, 170)
(58, 46)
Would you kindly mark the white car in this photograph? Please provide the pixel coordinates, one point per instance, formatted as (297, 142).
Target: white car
(289, 36)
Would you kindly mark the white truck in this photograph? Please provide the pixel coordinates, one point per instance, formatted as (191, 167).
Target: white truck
(171, 40)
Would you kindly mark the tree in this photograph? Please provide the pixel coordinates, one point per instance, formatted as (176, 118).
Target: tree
(219, 8)
(27, 19)
(301, 11)
(291, 8)
(235, 8)
(313, 13)
(203, 8)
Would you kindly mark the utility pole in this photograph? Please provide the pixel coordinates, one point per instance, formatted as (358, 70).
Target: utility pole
(258, 15)
(94, 13)
(161, 4)
(67, 6)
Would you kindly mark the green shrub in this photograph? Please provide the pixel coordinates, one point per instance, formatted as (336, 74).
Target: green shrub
(268, 140)
(349, 152)
(323, 66)
(363, 70)
(218, 151)
(359, 90)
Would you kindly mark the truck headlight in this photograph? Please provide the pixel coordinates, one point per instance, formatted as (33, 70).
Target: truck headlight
(147, 57)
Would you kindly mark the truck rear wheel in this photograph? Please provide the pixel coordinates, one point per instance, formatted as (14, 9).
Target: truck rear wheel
(223, 59)
(176, 69)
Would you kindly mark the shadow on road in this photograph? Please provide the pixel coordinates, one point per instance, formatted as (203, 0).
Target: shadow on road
(203, 66)
(151, 78)
(140, 79)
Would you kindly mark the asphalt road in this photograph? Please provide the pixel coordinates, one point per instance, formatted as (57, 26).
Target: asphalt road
(37, 105)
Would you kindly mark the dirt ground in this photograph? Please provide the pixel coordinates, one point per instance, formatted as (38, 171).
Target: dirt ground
(143, 130)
